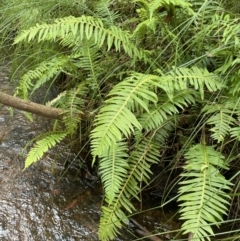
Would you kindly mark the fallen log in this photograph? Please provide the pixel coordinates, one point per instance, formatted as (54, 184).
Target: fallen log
(34, 108)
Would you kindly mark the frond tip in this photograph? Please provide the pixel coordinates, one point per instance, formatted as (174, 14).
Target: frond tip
(42, 146)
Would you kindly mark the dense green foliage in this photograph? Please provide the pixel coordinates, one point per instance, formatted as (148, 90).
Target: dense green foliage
(144, 71)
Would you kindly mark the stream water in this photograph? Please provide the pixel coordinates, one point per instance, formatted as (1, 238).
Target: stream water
(40, 203)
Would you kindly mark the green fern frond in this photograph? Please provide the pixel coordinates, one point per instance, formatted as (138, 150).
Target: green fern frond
(161, 133)
(222, 125)
(166, 108)
(234, 81)
(85, 27)
(102, 9)
(222, 119)
(150, 16)
(33, 79)
(235, 133)
(202, 195)
(89, 61)
(113, 170)
(116, 119)
(42, 146)
(139, 163)
(154, 5)
(227, 28)
(143, 28)
(72, 101)
(87, 57)
(198, 78)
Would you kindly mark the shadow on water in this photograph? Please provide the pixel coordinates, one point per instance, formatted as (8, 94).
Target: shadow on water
(37, 204)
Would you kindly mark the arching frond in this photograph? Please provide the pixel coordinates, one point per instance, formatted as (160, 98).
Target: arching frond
(116, 118)
(144, 27)
(151, 17)
(103, 10)
(221, 118)
(228, 29)
(139, 162)
(165, 108)
(202, 196)
(222, 123)
(85, 27)
(89, 61)
(161, 133)
(198, 78)
(42, 146)
(34, 79)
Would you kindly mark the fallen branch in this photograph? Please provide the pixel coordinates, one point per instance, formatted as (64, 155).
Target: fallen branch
(34, 108)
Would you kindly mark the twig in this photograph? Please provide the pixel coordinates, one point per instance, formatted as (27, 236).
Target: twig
(144, 232)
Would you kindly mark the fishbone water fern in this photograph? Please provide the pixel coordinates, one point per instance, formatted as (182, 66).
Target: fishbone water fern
(131, 107)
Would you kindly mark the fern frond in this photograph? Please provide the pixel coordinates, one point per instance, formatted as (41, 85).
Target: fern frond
(72, 101)
(155, 4)
(150, 17)
(198, 78)
(143, 28)
(202, 196)
(102, 9)
(227, 28)
(161, 133)
(116, 119)
(89, 61)
(222, 125)
(222, 120)
(134, 94)
(235, 132)
(113, 170)
(33, 79)
(85, 27)
(166, 108)
(139, 162)
(42, 146)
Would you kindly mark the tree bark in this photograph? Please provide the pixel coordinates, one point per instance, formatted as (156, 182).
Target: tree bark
(34, 108)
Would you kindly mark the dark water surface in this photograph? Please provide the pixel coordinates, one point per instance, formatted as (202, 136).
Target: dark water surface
(39, 203)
